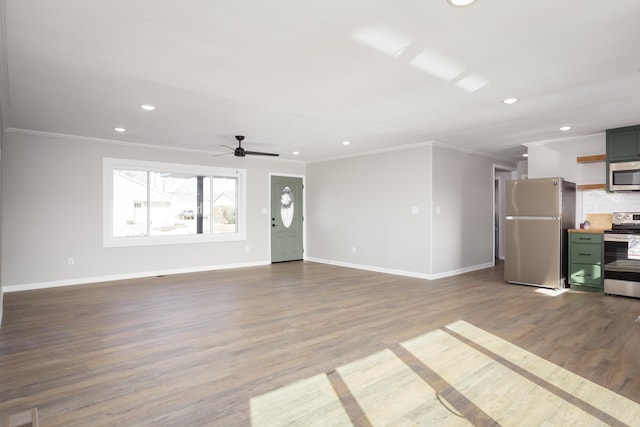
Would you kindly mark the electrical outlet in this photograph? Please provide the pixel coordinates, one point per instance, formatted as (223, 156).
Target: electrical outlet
(71, 260)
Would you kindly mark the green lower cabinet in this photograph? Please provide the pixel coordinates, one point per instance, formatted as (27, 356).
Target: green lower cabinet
(585, 262)
(585, 275)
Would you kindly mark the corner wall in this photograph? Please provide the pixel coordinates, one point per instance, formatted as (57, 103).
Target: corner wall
(463, 217)
(424, 212)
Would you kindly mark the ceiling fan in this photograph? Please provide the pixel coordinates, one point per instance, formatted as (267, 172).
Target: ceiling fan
(241, 152)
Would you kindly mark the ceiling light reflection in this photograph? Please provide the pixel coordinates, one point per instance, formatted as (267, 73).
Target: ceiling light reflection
(461, 2)
(383, 40)
(472, 82)
(437, 65)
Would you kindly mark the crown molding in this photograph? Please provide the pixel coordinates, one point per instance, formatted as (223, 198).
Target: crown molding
(568, 139)
(410, 147)
(94, 140)
(470, 151)
(373, 152)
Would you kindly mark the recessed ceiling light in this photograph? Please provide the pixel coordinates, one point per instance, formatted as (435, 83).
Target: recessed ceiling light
(510, 101)
(565, 128)
(147, 107)
(346, 142)
(461, 2)
(295, 153)
(118, 129)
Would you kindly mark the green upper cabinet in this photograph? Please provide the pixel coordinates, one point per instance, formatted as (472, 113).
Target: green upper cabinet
(623, 144)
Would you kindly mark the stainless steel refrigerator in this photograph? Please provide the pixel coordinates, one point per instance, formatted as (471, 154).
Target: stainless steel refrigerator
(539, 213)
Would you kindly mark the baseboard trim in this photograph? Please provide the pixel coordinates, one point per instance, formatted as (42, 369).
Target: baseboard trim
(110, 278)
(462, 270)
(414, 274)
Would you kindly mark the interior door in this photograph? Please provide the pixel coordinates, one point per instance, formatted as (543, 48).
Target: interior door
(286, 219)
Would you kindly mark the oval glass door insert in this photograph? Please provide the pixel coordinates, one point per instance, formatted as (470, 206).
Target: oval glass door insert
(286, 207)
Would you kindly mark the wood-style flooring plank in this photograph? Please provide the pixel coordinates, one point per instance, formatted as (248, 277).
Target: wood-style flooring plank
(195, 349)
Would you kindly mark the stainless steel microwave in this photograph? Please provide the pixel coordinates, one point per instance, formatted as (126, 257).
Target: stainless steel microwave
(624, 176)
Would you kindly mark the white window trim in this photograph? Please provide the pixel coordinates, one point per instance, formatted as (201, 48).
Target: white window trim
(110, 164)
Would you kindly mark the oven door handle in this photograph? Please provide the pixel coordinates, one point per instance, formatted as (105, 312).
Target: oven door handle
(617, 237)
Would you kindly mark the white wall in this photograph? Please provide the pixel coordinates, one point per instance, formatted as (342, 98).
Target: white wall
(382, 205)
(523, 169)
(559, 159)
(366, 203)
(1, 181)
(52, 192)
(463, 219)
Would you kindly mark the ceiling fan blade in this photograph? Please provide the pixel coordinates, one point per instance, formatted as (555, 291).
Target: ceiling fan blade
(258, 153)
(241, 152)
(224, 154)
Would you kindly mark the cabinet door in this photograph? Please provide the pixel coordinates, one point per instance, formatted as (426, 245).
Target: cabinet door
(585, 274)
(623, 145)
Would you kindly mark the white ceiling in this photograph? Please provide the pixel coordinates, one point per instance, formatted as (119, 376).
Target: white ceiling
(304, 75)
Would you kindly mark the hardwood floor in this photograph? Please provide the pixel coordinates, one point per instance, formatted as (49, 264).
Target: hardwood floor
(206, 348)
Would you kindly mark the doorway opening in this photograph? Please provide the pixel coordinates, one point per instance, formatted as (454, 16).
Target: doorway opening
(501, 174)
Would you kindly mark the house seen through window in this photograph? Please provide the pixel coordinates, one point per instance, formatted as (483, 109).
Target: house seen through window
(152, 201)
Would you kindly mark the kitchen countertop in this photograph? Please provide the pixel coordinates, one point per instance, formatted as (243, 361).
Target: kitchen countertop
(588, 230)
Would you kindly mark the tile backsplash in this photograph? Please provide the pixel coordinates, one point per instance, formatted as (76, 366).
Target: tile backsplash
(599, 201)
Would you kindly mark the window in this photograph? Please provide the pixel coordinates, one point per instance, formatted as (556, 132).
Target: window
(148, 203)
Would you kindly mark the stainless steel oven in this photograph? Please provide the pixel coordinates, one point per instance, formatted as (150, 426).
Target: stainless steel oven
(622, 255)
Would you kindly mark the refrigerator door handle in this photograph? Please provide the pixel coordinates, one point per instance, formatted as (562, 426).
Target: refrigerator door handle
(543, 218)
